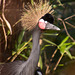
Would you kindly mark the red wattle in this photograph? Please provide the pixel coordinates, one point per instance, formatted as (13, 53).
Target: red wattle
(42, 25)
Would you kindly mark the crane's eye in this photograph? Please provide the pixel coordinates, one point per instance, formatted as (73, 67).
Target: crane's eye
(41, 24)
(45, 22)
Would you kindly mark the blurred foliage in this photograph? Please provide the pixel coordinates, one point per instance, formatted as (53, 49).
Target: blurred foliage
(51, 40)
(21, 46)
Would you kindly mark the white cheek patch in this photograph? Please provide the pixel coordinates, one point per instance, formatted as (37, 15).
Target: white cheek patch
(41, 20)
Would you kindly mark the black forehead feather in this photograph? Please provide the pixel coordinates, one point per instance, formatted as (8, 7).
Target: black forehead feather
(48, 17)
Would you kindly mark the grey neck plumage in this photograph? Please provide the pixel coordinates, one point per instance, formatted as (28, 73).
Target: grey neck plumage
(31, 63)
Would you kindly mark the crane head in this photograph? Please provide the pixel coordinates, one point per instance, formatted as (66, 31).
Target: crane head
(32, 16)
(46, 22)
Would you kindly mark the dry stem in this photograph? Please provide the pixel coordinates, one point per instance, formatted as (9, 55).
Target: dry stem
(66, 29)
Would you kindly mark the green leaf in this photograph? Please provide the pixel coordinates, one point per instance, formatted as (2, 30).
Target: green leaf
(21, 45)
(45, 47)
(13, 52)
(68, 43)
(30, 44)
(69, 54)
(24, 46)
(50, 34)
(16, 47)
(62, 49)
(68, 47)
(21, 49)
(24, 56)
(64, 41)
(48, 41)
(73, 43)
(65, 49)
(32, 2)
(18, 50)
(61, 65)
(21, 37)
(40, 61)
(8, 32)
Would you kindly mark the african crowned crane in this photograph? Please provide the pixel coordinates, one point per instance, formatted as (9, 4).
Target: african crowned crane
(36, 20)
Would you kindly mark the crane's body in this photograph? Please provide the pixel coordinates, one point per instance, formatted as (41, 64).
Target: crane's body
(35, 20)
(25, 67)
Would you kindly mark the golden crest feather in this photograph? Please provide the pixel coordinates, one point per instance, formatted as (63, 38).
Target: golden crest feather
(33, 13)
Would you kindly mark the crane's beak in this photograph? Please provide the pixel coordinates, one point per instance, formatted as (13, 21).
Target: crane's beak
(51, 26)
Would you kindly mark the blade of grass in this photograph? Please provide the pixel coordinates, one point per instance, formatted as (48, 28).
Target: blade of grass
(48, 41)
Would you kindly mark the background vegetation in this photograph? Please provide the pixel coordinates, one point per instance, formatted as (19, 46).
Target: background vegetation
(57, 48)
